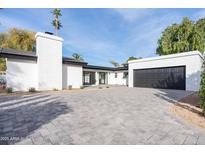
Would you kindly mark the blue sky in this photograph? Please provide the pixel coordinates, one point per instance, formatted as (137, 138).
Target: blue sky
(101, 35)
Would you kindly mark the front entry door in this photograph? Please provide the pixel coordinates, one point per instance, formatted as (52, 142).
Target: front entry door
(88, 78)
(101, 77)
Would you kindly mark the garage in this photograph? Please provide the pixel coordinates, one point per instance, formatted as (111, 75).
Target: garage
(181, 71)
(165, 78)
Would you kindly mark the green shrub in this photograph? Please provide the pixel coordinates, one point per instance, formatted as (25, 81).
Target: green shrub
(202, 90)
(81, 87)
(32, 90)
(70, 87)
(55, 89)
(9, 90)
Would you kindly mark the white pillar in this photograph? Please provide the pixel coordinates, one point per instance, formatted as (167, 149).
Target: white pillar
(49, 62)
(96, 78)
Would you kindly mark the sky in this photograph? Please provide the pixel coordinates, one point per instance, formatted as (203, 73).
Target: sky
(102, 35)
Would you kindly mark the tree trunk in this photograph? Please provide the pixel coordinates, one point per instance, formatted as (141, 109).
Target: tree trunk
(56, 25)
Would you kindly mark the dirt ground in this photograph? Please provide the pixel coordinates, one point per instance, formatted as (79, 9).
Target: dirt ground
(188, 109)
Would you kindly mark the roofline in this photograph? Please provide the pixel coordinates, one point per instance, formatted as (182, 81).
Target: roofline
(48, 36)
(14, 55)
(176, 55)
(105, 68)
(98, 67)
(73, 61)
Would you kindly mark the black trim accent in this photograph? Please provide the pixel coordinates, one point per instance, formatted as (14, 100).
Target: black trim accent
(29, 55)
(98, 67)
(50, 33)
(67, 60)
(14, 54)
(104, 68)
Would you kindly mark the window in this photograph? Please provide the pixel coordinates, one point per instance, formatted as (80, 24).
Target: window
(87, 78)
(115, 75)
(125, 74)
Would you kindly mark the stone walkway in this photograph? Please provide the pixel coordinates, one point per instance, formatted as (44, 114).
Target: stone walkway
(104, 116)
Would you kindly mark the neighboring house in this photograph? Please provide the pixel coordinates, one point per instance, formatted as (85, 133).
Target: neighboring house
(47, 69)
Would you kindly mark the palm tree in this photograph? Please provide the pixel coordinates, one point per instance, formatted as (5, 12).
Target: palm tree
(56, 22)
(77, 56)
(0, 9)
(114, 63)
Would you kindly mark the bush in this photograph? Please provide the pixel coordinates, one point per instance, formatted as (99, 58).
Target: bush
(9, 90)
(81, 87)
(107, 87)
(32, 90)
(99, 87)
(70, 87)
(202, 90)
(55, 89)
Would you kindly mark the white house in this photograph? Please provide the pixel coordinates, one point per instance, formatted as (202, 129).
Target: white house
(47, 69)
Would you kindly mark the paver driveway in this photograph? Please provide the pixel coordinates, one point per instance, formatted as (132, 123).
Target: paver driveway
(106, 116)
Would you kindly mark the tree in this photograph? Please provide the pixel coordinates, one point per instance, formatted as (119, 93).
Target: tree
(114, 63)
(132, 58)
(196, 40)
(183, 37)
(202, 89)
(200, 24)
(17, 39)
(77, 56)
(2, 64)
(56, 22)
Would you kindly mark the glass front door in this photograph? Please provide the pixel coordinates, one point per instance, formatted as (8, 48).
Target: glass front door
(102, 77)
(88, 78)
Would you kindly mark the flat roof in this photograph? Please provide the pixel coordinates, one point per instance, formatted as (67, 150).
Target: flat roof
(67, 60)
(17, 54)
(105, 68)
(176, 55)
(30, 55)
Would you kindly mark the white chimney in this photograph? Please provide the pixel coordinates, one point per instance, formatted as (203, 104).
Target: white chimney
(49, 62)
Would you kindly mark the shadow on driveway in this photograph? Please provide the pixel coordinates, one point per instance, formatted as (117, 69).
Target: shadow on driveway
(19, 118)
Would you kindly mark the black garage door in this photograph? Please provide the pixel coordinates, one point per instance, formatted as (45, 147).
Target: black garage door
(165, 78)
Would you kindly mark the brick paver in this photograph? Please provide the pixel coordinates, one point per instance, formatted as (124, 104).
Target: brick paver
(105, 116)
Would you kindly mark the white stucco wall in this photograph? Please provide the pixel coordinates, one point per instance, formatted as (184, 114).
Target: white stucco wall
(21, 74)
(111, 78)
(72, 75)
(116, 81)
(49, 63)
(192, 60)
(96, 78)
